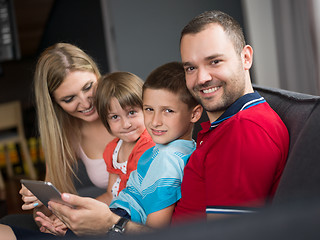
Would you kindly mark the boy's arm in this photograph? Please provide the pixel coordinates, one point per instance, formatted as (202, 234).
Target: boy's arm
(160, 218)
(89, 217)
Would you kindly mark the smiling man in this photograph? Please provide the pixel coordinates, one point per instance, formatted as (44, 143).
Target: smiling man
(242, 150)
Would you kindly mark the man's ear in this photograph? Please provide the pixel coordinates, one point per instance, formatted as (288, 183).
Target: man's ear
(247, 56)
(196, 113)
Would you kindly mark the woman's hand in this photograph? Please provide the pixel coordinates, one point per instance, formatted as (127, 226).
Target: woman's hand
(51, 224)
(30, 201)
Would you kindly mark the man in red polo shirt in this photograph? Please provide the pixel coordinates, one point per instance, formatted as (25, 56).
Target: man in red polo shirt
(242, 151)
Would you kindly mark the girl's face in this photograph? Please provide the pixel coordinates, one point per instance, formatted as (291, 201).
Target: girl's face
(75, 95)
(126, 124)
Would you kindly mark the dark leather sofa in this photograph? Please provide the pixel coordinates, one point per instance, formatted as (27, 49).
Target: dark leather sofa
(295, 210)
(301, 115)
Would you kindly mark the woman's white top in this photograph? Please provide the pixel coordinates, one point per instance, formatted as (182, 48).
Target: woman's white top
(96, 169)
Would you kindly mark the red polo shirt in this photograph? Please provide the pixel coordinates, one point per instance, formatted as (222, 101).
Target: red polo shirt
(237, 164)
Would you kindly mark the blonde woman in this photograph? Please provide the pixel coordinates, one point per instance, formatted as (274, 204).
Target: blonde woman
(69, 125)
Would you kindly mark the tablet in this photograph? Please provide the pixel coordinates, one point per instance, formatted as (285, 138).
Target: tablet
(44, 191)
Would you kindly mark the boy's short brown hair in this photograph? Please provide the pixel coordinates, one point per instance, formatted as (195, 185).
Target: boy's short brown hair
(171, 77)
(124, 86)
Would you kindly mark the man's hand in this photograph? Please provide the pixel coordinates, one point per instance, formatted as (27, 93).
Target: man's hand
(88, 217)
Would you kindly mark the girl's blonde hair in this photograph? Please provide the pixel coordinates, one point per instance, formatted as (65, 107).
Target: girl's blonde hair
(59, 132)
(124, 86)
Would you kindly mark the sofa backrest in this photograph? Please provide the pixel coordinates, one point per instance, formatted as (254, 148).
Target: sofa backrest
(301, 115)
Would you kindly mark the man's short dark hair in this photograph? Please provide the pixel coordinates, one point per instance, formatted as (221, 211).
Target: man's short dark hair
(229, 25)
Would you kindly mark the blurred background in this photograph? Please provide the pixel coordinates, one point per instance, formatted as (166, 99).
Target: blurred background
(138, 36)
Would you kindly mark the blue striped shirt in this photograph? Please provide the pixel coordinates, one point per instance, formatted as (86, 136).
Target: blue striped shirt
(156, 183)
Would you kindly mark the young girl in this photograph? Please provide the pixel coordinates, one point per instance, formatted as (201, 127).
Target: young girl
(119, 105)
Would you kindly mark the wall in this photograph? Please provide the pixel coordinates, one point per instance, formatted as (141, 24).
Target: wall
(261, 36)
(78, 22)
(147, 33)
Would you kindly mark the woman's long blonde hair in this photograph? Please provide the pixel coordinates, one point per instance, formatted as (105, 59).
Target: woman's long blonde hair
(59, 132)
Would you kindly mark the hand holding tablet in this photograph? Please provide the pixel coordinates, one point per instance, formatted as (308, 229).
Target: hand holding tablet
(44, 191)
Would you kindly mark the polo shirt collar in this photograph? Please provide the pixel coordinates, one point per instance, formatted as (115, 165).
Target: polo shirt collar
(244, 102)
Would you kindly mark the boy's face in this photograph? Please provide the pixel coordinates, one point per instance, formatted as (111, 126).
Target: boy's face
(166, 117)
(126, 124)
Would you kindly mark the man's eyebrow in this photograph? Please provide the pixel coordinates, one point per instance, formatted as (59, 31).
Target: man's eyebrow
(208, 58)
(186, 64)
(213, 56)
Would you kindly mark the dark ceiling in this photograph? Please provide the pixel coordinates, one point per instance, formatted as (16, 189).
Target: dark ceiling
(31, 17)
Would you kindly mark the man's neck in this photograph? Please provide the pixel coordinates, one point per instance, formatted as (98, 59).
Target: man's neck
(213, 116)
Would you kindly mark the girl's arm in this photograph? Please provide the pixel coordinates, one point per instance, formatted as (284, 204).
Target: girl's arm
(160, 218)
(107, 197)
